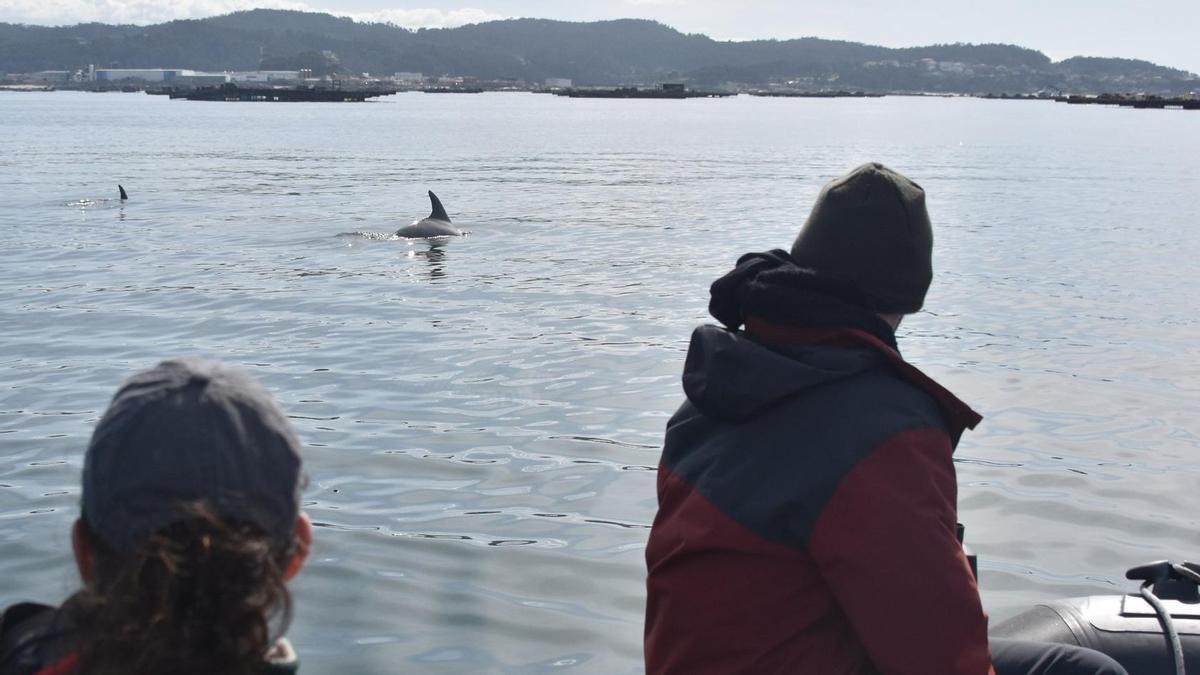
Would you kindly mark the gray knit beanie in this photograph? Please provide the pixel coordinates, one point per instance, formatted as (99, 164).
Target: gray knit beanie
(870, 228)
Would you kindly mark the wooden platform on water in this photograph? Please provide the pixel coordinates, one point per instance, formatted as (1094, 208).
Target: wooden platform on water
(816, 94)
(232, 92)
(666, 91)
(1155, 102)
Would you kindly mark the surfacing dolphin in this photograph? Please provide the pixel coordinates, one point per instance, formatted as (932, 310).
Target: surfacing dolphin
(436, 225)
(123, 195)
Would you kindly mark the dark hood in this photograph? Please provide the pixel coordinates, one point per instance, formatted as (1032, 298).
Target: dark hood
(731, 377)
(774, 287)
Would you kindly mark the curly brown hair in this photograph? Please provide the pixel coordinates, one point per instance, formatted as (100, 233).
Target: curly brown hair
(203, 595)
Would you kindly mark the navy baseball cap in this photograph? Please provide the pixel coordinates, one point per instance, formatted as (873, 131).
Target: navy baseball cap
(187, 431)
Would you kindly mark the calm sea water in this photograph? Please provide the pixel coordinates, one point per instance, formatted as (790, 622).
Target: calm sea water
(482, 418)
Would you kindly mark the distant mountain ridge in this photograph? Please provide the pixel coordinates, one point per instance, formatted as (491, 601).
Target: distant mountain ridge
(626, 51)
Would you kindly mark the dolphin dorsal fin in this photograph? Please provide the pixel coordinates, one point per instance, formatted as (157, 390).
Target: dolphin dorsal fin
(123, 195)
(438, 213)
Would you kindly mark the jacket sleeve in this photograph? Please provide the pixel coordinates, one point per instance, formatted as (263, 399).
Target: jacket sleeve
(886, 545)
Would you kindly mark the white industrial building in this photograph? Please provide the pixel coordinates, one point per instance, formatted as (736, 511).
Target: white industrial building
(182, 75)
(144, 74)
(265, 76)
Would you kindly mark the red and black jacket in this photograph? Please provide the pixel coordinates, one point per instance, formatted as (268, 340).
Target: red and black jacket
(807, 496)
(39, 639)
(35, 640)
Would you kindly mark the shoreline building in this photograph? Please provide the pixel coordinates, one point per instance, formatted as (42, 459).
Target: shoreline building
(144, 74)
(185, 76)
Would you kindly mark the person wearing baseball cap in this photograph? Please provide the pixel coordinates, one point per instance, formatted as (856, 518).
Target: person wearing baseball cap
(807, 495)
(190, 528)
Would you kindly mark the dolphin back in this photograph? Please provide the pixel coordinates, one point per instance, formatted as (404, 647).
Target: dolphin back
(123, 195)
(438, 213)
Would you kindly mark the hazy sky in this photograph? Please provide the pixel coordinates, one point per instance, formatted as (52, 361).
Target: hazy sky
(1163, 31)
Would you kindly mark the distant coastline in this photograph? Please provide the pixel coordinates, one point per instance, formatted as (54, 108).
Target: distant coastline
(526, 54)
(317, 94)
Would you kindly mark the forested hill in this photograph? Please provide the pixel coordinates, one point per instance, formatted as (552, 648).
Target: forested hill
(600, 53)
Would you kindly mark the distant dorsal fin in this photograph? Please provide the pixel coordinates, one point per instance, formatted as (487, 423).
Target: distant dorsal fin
(439, 213)
(123, 195)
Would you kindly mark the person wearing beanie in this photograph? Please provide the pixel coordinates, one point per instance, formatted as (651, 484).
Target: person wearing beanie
(807, 518)
(190, 528)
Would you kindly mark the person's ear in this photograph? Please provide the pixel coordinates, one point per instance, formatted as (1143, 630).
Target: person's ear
(84, 556)
(303, 538)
